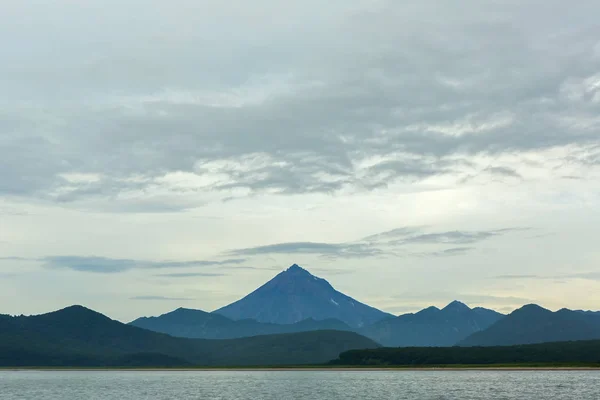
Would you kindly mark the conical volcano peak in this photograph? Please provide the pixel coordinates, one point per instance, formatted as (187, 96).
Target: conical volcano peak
(296, 268)
(456, 306)
(294, 295)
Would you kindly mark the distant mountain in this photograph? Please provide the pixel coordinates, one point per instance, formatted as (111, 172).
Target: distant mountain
(77, 336)
(534, 324)
(202, 325)
(295, 295)
(597, 313)
(432, 326)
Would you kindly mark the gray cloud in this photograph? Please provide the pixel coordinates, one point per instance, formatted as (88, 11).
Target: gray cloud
(456, 237)
(12, 212)
(248, 267)
(14, 259)
(519, 277)
(332, 272)
(504, 172)
(592, 276)
(394, 234)
(454, 251)
(190, 275)
(325, 249)
(113, 265)
(395, 242)
(160, 298)
(354, 115)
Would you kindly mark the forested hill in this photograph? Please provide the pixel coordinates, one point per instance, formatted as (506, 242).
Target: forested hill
(583, 352)
(77, 336)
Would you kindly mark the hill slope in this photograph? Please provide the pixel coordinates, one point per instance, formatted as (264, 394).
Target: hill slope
(534, 324)
(295, 295)
(432, 326)
(202, 325)
(77, 336)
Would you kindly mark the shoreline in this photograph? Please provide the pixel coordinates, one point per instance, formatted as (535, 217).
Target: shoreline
(300, 369)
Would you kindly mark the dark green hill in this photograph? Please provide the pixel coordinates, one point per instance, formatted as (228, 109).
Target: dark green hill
(77, 336)
(432, 326)
(199, 324)
(582, 352)
(534, 324)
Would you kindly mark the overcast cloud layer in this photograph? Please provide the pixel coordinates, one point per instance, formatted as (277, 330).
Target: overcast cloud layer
(154, 153)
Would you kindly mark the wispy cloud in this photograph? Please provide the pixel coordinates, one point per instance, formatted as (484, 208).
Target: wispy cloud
(332, 272)
(160, 298)
(397, 242)
(190, 274)
(591, 276)
(115, 265)
(342, 250)
(405, 231)
(456, 237)
(13, 212)
(454, 251)
(249, 267)
(16, 259)
(519, 277)
(504, 172)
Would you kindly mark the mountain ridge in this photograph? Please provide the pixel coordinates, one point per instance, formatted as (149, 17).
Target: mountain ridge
(199, 324)
(532, 324)
(78, 336)
(432, 327)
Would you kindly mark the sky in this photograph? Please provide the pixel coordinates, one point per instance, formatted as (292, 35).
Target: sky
(156, 155)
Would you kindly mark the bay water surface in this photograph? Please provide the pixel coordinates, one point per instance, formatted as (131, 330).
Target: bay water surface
(313, 385)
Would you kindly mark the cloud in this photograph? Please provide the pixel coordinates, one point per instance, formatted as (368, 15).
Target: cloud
(457, 237)
(395, 242)
(454, 251)
(309, 112)
(190, 274)
(349, 250)
(393, 234)
(160, 298)
(592, 276)
(519, 277)
(332, 272)
(113, 265)
(248, 267)
(504, 172)
(15, 259)
(12, 211)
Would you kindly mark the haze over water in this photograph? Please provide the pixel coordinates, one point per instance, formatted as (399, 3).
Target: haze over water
(281, 385)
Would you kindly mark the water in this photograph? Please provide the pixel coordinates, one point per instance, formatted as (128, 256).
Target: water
(313, 385)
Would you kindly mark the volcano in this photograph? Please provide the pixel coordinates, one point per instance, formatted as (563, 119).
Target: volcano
(295, 295)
